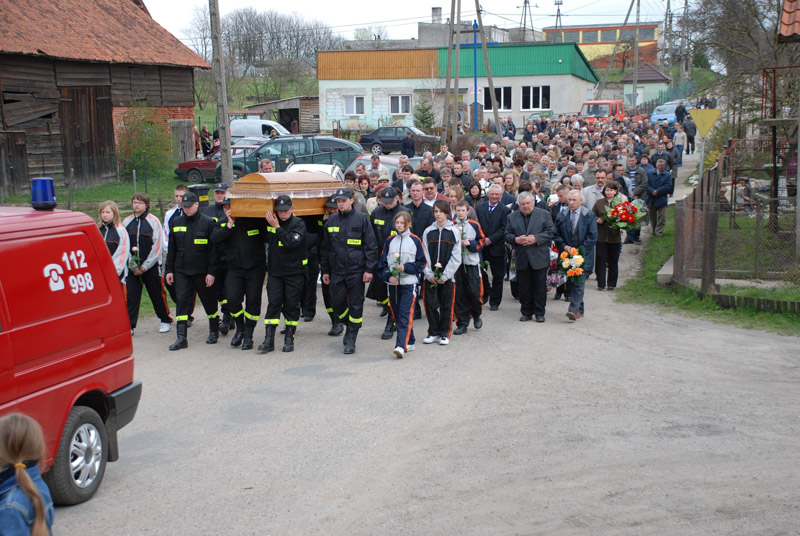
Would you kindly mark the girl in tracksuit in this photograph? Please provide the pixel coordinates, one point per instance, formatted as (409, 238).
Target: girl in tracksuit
(116, 238)
(402, 253)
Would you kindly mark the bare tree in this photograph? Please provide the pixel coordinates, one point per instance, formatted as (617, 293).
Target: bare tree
(370, 33)
(198, 32)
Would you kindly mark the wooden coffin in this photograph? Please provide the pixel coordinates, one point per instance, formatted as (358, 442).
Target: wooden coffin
(254, 194)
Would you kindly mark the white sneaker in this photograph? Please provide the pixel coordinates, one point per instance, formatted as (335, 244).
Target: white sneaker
(444, 341)
(399, 352)
(132, 332)
(411, 347)
(430, 339)
(164, 327)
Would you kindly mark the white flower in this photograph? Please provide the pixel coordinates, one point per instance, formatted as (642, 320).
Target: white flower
(134, 249)
(438, 265)
(396, 255)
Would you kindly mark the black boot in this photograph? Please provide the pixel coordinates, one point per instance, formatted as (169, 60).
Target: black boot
(269, 340)
(350, 345)
(238, 337)
(181, 342)
(247, 341)
(389, 329)
(226, 324)
(347, 334)
(288, 339)
(336, 326)
(213, 330)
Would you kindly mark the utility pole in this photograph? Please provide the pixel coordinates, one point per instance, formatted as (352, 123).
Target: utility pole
(559, 25)
(222, 93)
(488, 68)
(686, 67)
(456, 99)
(668, 41)
(636, 62)
(599, 89)
(527, 15)
(449, 69)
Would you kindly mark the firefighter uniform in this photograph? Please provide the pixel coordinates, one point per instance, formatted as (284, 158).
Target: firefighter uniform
(244, 244)
(287, 275)
(383, 226)
(191, 255)
(348, 251)
(217, 213)
(315, 226)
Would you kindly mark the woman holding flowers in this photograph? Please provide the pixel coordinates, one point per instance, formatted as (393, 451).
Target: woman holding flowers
(401, 264)
(608, 248)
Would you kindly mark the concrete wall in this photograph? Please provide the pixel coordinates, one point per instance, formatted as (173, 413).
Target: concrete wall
(651, 90)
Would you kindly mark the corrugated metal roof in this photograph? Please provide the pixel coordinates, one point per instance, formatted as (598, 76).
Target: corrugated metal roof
(114, 31)
(524, 60)
(646, 73)
(790, 22)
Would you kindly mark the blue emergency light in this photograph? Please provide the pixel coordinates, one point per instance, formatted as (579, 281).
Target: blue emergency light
(43, 193)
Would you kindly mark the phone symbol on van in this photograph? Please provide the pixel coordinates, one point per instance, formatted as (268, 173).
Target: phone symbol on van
(53, 273)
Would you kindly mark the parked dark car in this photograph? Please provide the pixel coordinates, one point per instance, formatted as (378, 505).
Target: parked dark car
(384, 140)
(300, 149)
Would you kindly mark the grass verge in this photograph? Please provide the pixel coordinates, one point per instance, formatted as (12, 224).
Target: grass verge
(644, 290)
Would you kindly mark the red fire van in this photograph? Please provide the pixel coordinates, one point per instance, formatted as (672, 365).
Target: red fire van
(66, 356)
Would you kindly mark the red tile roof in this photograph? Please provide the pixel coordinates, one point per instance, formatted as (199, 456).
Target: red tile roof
(647, 73)
(790, 22)
(115, 31)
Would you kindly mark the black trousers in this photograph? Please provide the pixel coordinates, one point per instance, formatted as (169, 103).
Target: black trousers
(283, 296)
(185, 288)
(150, 280)
(308, 302)
(245, 285)
(532, 291)
(468, 293)
(498, 267)
(219, 289)
(606, 253)
(439, 302)
(347, 298)
(689, 144)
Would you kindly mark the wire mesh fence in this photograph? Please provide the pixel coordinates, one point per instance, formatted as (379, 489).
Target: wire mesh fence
(737, 244)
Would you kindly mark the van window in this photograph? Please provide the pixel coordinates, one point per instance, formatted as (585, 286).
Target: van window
(65, 277)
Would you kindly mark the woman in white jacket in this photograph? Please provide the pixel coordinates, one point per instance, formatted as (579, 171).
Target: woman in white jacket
(401, 265)
(116, 238)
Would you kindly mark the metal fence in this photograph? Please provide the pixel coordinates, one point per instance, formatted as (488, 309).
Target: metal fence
(738, 246)
(683, 91)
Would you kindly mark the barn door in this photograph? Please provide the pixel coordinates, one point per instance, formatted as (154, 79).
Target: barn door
(182, 137)
(14, 162)
(87, 133)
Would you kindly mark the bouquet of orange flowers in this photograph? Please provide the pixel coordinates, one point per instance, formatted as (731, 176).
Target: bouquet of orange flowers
(624, 215)
(570, 264)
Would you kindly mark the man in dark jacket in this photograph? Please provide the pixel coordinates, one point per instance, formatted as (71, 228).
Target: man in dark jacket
(286, 236)
(658, 187)
(243, 242)
(577, 228)
(192, 264)
(216, 212)
(492, 216)
(529, 231)
(407, 145)
(348, 259)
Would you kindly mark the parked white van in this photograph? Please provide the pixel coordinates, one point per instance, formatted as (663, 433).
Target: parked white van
(243, 128)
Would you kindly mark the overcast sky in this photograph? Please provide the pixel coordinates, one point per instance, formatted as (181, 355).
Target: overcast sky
(400, 18)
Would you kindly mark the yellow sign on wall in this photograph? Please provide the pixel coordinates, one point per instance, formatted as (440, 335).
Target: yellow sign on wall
(705, 119)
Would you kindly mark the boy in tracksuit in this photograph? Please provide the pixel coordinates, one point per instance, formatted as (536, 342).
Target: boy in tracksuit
(469, 285)
(400, 265)
(443, 257)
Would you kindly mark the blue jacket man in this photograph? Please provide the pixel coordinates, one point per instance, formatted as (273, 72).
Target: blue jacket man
(659, 184)
(583, 234)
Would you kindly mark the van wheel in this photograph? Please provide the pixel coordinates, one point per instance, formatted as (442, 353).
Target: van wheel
(81, 458)
(194, 176)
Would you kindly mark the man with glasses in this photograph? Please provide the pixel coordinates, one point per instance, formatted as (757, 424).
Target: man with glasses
(430, 193)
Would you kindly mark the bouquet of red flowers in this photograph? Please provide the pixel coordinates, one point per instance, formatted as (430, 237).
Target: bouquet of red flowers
(624, 215)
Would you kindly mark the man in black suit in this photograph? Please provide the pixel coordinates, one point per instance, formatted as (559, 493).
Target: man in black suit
(492, 216)
(530, 231)
(557, 209)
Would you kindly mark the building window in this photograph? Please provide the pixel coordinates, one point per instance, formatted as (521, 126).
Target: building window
(572, 37)
(608, 36)
(535, 97)
(501, 94)
(400, 104)
(589, 36)
(354, 105)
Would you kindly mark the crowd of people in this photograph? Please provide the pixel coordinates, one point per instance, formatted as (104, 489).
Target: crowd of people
(449, 231)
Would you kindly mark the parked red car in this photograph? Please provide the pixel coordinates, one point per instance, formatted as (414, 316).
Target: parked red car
(203, 169)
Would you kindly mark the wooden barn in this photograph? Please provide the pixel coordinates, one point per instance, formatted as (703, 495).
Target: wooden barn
(69, 72)
(297, 114)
